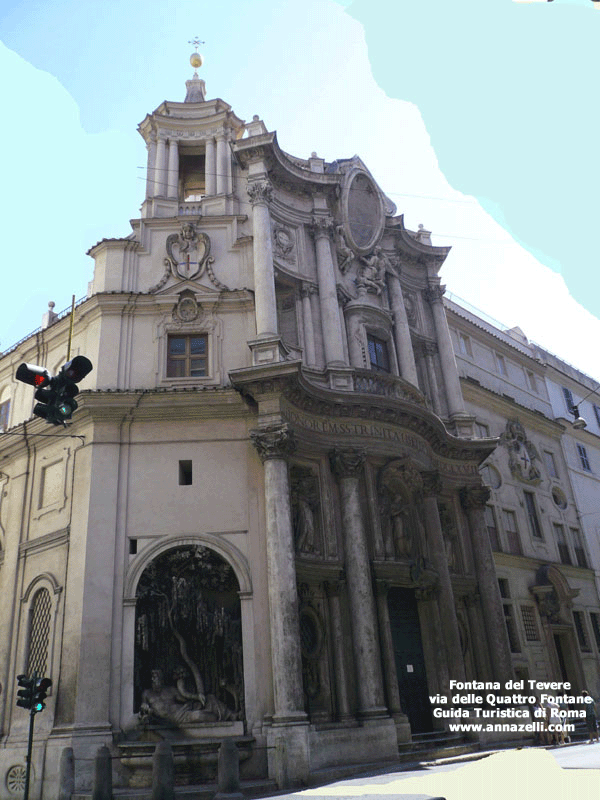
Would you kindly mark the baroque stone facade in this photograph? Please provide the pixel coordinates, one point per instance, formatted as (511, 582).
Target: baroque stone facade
(267, 520)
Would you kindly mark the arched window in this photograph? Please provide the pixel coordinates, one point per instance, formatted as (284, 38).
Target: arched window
(39, 633)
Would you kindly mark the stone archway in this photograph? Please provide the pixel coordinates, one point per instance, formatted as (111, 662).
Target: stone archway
(188, 638)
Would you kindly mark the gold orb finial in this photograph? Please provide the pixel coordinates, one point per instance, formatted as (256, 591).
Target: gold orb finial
(196, 58)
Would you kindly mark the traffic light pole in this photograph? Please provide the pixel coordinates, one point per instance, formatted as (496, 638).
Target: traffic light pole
(28, 756)
(29, 747)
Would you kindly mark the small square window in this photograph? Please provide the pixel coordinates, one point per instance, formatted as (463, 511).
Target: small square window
(185, 473)
(187, 356)
(378, 354)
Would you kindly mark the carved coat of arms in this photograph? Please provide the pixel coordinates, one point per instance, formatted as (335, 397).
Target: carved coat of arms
(522, 453)
(188, 252)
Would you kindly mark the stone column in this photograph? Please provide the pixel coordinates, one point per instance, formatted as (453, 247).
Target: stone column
(346, 466)
(333, 589)
(473, 499)
(429, 351)
(210, 165)
(307, 319)
(387, 650)
(151, 171)
(402, 339)
(260, 193)
(160, 188)
(448, 361)
(330, 312)
(173, 169)
(221, 165)
(432, 487)
(274, 444)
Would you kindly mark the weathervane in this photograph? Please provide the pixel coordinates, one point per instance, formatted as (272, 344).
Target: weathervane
(196, 58)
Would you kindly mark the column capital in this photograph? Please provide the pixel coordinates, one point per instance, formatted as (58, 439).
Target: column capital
(346, 463)
(434, 294)
(432, 483)
(334, 588)
(261, 192)
(306, 289)
(474, 497)
(276, 441)
(321, 226)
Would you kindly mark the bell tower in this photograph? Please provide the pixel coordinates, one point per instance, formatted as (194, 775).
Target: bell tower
(190, 169)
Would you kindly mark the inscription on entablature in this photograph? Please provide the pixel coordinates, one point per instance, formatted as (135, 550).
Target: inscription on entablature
(381, 432)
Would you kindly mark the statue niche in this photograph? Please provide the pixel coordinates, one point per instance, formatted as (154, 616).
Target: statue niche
(398, 488)
(188, 648)
(305, 510)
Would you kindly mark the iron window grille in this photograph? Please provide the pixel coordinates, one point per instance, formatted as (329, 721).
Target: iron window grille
(39, 633)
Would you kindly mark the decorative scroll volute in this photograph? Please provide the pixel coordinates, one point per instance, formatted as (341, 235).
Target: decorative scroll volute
(274, 442)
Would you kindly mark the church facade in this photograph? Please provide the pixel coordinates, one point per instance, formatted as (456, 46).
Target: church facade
(267, 519)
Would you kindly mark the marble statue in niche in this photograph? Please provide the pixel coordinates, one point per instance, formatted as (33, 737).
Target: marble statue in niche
(305, 511)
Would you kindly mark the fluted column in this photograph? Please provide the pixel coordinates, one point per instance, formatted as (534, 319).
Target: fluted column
(347, 466)
(173, 169)
(333, 589)
(274, 445)
(434, 295)
(221, 165)
(160, 183)
(432, 487)
(402, 339)
(260, 192)
(151, 171)
(211, 167)
(473, 499)
(307, 319)
(330, 312)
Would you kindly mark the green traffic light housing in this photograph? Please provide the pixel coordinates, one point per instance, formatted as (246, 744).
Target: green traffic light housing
(40, 692)
(26, 691)
(55, 394)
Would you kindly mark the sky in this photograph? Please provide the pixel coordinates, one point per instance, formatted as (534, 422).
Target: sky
(478, 120)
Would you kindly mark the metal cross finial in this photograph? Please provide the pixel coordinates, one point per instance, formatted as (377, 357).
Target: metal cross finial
(196, 42)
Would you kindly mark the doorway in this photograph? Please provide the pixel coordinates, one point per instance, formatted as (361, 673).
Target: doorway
(410, 661)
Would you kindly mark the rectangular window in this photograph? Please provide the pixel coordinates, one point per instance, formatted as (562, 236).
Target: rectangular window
(378, 354)
(569, 402)
(512, 533)
(534, 522)
(464, 345)
(550, 464)
(530, 625)
(583, 457)
(4, 412)
(582, 637)
(500, 364)
(531, 380)
(563, 548)
(597, 413)
(511, 629)
(187, 356)
(504, 588)
(595, 618)
(580, 556)
(490, 521)
(185, 473)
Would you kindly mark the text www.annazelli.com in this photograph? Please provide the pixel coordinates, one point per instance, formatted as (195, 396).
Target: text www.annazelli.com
(515, 727)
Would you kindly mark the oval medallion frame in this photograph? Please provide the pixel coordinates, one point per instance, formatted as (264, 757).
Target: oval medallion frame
(363, 213)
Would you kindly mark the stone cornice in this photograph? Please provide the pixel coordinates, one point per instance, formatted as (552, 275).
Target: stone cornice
(410, 249)
(287, 380)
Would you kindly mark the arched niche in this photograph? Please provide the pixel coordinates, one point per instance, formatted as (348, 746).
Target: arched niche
(188, 628)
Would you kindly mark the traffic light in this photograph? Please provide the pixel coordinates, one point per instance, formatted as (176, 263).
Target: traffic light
(55, 394)
(26, 691)
(40, 692)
